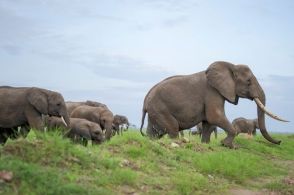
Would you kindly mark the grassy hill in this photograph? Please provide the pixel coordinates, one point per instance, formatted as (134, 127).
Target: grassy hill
(132, 164)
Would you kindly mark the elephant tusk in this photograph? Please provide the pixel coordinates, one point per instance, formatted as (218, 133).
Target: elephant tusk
(262, 107)
(62, 119)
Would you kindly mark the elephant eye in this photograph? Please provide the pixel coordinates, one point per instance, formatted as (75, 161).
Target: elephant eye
(58, 104)
(248, 82)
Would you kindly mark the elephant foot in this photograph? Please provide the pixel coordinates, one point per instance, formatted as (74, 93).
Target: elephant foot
(205, 139)
(229, 143)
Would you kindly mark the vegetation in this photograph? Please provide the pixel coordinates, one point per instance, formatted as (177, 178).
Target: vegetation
(131, 164)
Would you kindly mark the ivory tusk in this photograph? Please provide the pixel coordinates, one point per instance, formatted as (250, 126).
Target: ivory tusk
(262, 107)
(63, 121)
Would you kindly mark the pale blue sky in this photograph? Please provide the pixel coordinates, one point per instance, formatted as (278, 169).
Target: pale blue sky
(115, 51)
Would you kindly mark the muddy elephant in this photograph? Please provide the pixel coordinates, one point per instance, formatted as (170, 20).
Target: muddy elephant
(243, 125)
(119, 122)
(79, 130)
(180, 102)
(72, 105)
(212, 128)
(21, 108)
(99, 115)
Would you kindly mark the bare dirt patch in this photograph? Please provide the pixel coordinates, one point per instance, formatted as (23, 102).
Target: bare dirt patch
(250, 192)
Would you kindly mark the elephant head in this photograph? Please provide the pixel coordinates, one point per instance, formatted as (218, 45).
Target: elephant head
(234, 81)
(97, 136)
(49, 103)
(106, 121)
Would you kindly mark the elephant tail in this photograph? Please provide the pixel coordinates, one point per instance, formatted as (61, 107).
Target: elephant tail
(142, 121)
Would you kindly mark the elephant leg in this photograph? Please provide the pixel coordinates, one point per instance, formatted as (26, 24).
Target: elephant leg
(84, 141)
(153, 130)
(24, 131)
(3, 139)
(254, 132)
(231, 133)
(170, 125)
(12, 133)
(34, 119)
(218, 118)
(206, 132)
(4, 134)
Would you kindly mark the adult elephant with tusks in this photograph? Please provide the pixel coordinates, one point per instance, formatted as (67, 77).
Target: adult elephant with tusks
(181, 102)
(24, 107)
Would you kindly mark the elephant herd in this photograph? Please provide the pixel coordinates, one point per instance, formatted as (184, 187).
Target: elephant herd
(173, 105)
(23, 108)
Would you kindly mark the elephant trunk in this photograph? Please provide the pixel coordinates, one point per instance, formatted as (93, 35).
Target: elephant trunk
(108, 132)
(261, 117)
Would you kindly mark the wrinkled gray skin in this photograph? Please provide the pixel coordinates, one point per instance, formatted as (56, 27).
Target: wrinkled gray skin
(23, 107)
(118, 122)
(99, 115)
(72, 105)
(211, 129)
(181, 102)
(243, 125)
(80, 130)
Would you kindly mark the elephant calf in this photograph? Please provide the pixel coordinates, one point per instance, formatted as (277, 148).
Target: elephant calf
(243, 125)
(80, 130)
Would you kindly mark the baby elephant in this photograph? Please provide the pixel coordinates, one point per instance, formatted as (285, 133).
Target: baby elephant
(243, 125)
(80, 130)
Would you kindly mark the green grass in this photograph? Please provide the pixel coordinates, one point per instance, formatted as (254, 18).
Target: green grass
(50, 164)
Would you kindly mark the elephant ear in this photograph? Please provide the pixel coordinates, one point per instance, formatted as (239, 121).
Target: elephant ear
(220, 75)
(38, 99)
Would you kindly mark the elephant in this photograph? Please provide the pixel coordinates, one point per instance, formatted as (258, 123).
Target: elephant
(182, 101)
(79, 130)
(99, 115)
(21, 108)
(118, 123)
(211, 129)
(243, 125)
(72, 105)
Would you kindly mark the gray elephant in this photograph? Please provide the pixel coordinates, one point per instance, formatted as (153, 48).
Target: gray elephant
(24, 106)
(99, 115)
(79, 130)
(243, 125)
(72, 105)
(119, 121)
(180, 102)
(211, 129)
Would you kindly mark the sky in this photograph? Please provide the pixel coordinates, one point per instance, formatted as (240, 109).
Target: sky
(114, 51)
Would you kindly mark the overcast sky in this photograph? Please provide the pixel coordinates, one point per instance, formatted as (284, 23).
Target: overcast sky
(114, 51)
